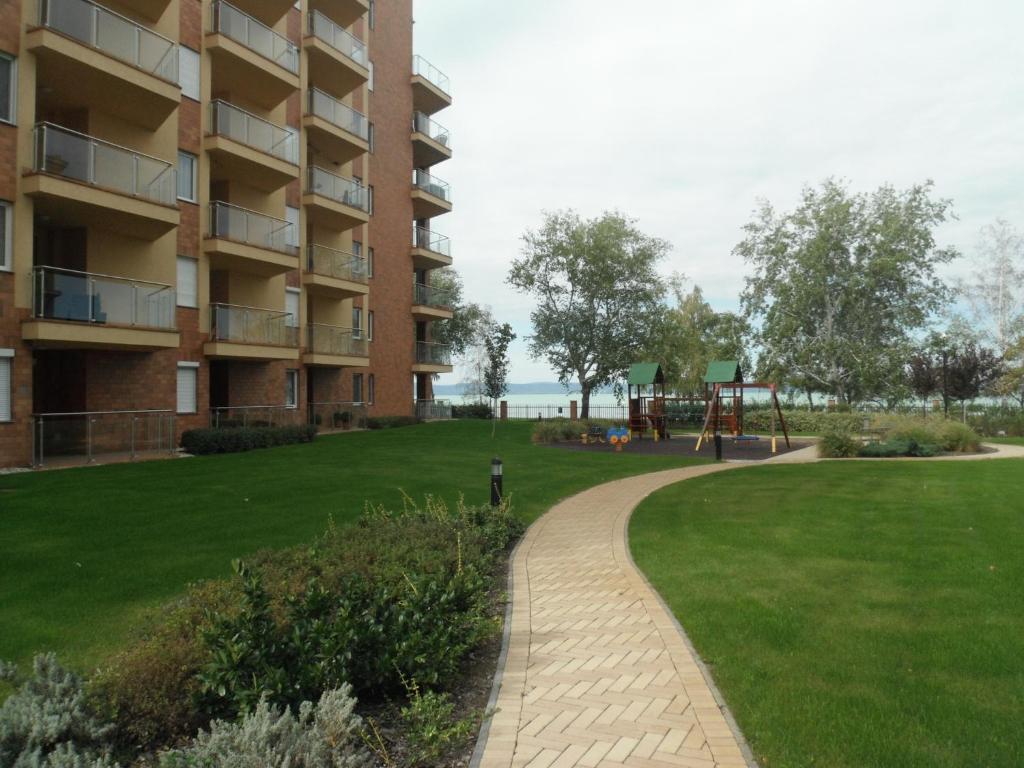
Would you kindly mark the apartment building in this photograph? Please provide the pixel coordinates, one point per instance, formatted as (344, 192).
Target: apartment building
(210, 213)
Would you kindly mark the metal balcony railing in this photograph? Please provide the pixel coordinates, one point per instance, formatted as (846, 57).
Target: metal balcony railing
(330, 262)
(226, 417)
(251, 325)
(429, 296)
(432, 74)
(430, 240)
(112, 33)
(88, 297)
(246, 128)
(83, 437)
(336, 340)
(421, 123)
(61, 152)
(254, 35)
(338, 188)
(431, 410)
(343, 415)
(233, 222)
(337, 37)
(431, 185)
(337, 113)
(433, 353)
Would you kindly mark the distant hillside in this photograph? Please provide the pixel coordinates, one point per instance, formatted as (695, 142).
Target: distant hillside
(528, 388)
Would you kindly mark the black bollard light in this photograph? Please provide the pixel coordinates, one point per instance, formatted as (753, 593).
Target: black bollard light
(495, 482)
(718, 445)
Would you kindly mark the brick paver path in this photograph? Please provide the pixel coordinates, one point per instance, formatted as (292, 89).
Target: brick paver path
(597, 671)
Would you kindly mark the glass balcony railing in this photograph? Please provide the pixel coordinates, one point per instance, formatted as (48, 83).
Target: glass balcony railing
(340, 415)
(338, 113)
(254, 35)
(431, 185)
(338, 188)
(112, 33)
(336, 340)
(429, 240)
(330, 262)
(423, 124)
(76, 156)
(228, 416)
(246, 128)
(433, 409)
(66, 439)
(337, 37)
(87, 297)
(249, 325)
(429, 296)
(432, 353)
(430, 73)
(244, 226)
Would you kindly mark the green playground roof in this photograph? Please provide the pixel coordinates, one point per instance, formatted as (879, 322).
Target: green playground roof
(723, 372)
(644, 373)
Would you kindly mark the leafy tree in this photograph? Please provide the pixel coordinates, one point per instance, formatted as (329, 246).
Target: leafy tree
(841, 282)
(496, 373)
(924, 375)
(969, 371)
(995, 289)
(598, 295)
(470, 320)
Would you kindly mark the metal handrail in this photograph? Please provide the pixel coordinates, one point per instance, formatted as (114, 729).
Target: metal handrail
(282, 231)
(423, 68)
(100, 413)
(343, 264)
(431, 184)
(58, 299)
(433, 353)
(286, 147)
(356, 123)
(276, 327)
(333, 334)
(288, 57)
(340, 39)
(352, 193)
(423, 123)
(80, 439)
(428, 295)
(50, 17)
(430, 240)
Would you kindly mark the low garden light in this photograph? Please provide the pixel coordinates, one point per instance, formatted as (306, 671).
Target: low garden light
(496, 481)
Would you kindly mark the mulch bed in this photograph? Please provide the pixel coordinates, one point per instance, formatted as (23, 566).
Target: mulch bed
(685, 445)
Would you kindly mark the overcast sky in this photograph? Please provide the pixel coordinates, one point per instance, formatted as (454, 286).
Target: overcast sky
(682, 114)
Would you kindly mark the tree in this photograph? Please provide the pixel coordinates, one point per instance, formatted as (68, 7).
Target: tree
(598, 295)
(995, 288)
(496, 372)
(841, 282)
(969, 371)
(469, 321)
(924, 376)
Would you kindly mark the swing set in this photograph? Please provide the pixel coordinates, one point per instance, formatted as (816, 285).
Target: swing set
(723, 397)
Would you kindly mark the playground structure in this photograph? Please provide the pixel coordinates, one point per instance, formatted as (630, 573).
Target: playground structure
(646, 396)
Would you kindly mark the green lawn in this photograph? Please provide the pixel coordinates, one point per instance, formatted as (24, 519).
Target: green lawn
(854, 614)
(87, 551)
(1007, 440)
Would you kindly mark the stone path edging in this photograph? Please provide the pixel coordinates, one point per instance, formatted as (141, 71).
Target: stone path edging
(595, 670)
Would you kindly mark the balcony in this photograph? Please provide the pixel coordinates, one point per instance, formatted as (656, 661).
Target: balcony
(335, 346)
(334, 128)
(432, 357)
(333, 273)
(250, 58)
(250, 149)
(229, 416)
(78, 180)
(430, 303)
(337, 416)
(335, 201)
(433, 410)
(90, 57)
(69, 439)
(430, 250)
(249, 333)
(431, 142)
(344, 12)
(72, 309)
(336, 57)
(430, 195)
(251, 242)
(430, 87)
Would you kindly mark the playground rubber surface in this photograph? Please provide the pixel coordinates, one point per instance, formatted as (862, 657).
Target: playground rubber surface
(685, 445)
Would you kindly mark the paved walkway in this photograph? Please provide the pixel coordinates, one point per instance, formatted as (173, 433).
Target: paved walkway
(598, 673)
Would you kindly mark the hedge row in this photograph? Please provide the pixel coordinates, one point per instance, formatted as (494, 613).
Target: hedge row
(200, 442)
(472, 411)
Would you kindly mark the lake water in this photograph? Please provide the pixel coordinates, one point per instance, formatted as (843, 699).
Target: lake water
(556, 399)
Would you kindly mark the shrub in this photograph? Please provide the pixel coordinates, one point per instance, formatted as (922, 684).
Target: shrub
(999, 422)
(322, 736)
(838, 444)
(808, 422)
(894, 448)
(390, 422)
(951, 436)
(48, 721)
(472, 411)
(200, 442)
(431, 731)
(564, 430)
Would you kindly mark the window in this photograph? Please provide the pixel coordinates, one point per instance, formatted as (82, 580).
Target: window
(357, 248)
(187, 176)
(291, 215)
(8, 87)
(187, 375)
(6, 363)
(291, 388)
(369, 82)
(291, 306)
(369, 262)
(188, 282)
(188, 72)
(370, 394)
(6, 227)
(357, 322)
(370, 137)
(369, 324)
(357, 387)
(369, 197)
(371, 15)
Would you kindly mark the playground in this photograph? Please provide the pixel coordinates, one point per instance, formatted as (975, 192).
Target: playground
(685, 446)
